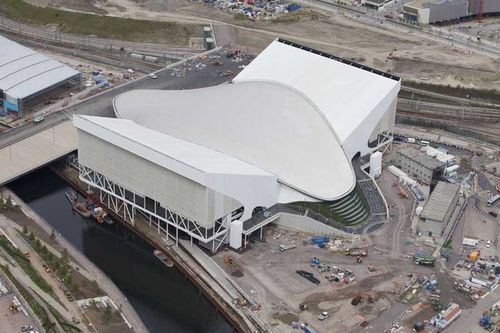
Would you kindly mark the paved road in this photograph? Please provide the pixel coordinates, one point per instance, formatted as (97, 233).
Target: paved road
(469, 319)
(101, 105)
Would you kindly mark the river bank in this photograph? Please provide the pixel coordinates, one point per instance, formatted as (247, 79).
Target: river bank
(130, 316)
(164, 299)
(236, 307)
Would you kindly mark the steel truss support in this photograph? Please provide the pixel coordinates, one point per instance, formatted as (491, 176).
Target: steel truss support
(126, 204)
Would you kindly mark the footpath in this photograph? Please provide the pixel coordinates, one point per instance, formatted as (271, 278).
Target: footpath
(103, 281)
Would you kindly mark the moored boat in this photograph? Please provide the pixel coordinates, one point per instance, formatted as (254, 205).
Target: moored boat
(163, 258)
(79, 206)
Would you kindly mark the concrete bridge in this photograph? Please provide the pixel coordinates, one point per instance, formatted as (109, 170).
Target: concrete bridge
(37, 150)
(32, 146)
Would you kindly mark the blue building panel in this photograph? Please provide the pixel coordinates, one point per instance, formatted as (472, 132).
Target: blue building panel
(10, 106)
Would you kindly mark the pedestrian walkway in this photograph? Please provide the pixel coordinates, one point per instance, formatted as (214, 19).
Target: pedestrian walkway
(102, 280)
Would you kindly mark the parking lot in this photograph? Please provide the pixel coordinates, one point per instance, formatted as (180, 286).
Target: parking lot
(481, 226)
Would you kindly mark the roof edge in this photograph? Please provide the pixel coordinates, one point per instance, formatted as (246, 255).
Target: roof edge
(339, 59)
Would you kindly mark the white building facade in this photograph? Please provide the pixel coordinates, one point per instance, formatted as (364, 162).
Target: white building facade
(283, 131)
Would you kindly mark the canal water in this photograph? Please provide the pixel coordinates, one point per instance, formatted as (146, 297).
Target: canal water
(166, 301)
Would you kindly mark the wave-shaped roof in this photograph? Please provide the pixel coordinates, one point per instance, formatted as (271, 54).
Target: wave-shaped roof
(344, 91)
(268, 125)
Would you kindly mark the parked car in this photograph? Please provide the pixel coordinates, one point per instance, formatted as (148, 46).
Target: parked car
(323, 315)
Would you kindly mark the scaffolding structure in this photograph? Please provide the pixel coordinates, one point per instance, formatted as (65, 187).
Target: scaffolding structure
(126, 204)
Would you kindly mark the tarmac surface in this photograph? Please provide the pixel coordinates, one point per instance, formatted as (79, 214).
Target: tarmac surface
(168, 78)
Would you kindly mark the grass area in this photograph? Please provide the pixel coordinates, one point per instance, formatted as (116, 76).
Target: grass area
(67, 327)
(33, 304)
(492, 95)
(99, 25)
(25, 265)
(297, 16)
(76, 283)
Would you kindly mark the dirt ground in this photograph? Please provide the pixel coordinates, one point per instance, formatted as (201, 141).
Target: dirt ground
(11, 322)
(113, 325)
(414, 58)
(269, 277)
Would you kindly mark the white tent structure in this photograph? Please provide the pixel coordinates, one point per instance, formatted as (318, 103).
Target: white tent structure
(195, 160)
(25, 73)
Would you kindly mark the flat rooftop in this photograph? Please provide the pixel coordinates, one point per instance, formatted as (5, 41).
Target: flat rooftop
(439, 201)
(421, 158)
(422, 4)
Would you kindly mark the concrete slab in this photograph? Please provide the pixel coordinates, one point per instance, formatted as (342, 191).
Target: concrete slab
(36, 151)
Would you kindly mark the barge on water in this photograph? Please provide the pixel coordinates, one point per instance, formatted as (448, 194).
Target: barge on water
(163, 258)
(87, 208)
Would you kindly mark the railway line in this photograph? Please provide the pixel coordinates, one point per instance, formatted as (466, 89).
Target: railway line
(449, 112)
(481, 122)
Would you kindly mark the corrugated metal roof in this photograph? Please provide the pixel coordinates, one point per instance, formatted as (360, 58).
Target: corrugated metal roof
(439, 201)
(24, 72)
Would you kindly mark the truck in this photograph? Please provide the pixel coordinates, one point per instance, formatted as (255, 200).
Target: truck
(425, 261)
(356, 252)
(308, 329)
(285, 247)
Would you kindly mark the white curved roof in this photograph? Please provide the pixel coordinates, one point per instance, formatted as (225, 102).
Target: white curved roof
(345, 92)
(268, 125)
(24, 72)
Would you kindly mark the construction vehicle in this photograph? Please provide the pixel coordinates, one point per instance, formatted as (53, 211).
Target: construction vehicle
(425, 261)
(402, 193)
(486, 322)
(228, 260)
(285, 247)
(391, 54)
(307, 329)
(323, 315)
(356, 251)
(315, 262)
(320, 241)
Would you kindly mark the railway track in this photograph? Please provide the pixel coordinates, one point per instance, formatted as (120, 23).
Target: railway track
(448, 112)
(485, 131)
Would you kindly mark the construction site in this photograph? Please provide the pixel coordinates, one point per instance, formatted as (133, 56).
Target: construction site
(407, 241)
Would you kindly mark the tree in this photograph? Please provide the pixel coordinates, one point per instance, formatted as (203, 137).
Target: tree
(8, 203)
(64, 256)
(44, 249)
(31, 236)
(52, 235)
(50, 257)
(107, 314)
(25, 230)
